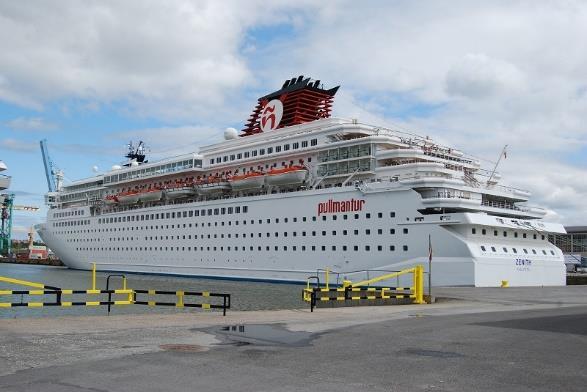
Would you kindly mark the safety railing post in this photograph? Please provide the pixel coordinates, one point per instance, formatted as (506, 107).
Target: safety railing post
(418, 285)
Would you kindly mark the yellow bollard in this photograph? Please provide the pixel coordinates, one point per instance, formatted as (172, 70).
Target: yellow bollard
(418, 284)
(93, 276)
(505, 283)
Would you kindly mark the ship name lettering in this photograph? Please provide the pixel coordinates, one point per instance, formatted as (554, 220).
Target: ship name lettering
(331, 206)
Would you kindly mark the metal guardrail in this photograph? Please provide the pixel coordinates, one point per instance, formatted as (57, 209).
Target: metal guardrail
(130, 296)
(363, 291)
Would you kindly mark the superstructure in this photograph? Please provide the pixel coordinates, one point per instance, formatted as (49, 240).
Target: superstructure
(297, 191)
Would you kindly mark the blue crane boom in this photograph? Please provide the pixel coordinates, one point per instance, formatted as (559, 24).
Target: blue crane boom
(49, 172)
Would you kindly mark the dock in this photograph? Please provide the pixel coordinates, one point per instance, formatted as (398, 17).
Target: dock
(528, 335)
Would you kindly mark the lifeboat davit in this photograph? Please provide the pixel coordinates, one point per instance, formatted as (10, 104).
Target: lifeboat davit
(111, 199)
(130, 197)
(151, 195)
(184, 191)
(287, 175)
(252, 180)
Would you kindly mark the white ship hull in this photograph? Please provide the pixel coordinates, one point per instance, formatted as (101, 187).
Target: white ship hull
(281, 241)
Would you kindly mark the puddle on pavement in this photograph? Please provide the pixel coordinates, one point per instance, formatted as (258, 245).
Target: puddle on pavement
(184, 348)
(262, 335)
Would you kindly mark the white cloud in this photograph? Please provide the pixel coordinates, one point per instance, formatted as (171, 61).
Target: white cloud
(478, 76)
(171, 59)
(30, 124)
(18, 145)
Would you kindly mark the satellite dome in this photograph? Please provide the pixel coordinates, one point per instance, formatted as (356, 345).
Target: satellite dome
(230, 134)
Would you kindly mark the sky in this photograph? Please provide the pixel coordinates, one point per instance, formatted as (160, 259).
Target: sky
(91, 76)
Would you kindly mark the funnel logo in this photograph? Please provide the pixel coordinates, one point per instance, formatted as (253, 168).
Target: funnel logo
(271, 115)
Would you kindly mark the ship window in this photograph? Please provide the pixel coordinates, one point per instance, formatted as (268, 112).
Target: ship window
(368, 231)
(505, 233)
(304, 219)
(303, 233)
(356, 232)
(367, 247)
(405, 247)
(239, 155)
(534, 236)
(345, 217)
(534, 251)
(345, 232)
(323, 217)
(516, 234)
(495, 233)
(209, 213)
(523, 235)
(515, 250)
(314, 142)
(295, 145)
(212, 161)
(483, 231)
(356, 216)
(505, 249)
(379, 231)
(232, 157)
(277, 148)
(392, 248)
(247, 154)
(225, 158)
(218, 160)
(285, 147)
(552, 252)
(368, 215)
(304, 143)
(269, 150)
(254, 153)
(223, 211)
(344, 248)
(405, 230)
(473, 231)
(313, 234)
(493, 248)
(261, 151)
(237, 210)
(543, 251)
(356, 248)
(525, 250)
(543, 238)
(276, 220)
(323, 232)
(483, 248)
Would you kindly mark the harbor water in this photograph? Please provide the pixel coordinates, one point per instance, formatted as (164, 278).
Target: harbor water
(245, 295)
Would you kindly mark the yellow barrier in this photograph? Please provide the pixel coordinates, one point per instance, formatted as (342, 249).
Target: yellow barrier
(416, 292)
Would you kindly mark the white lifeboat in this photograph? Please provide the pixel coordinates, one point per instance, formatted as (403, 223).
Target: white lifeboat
(151, 195)
(183, 191)
(252, 180)
(212, 185)
(130, 197)
(287, 175)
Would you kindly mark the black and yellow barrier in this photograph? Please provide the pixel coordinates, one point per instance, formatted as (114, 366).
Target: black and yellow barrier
(361, 291)
(183, 299)
(181, 296)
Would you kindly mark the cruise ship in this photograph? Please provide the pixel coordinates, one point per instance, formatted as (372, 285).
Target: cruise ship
(298, 191)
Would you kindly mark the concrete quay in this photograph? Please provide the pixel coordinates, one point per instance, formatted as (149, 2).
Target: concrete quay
(515, 339)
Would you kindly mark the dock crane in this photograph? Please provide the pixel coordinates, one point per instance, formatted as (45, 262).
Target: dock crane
(7, 207)
(52, 173)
